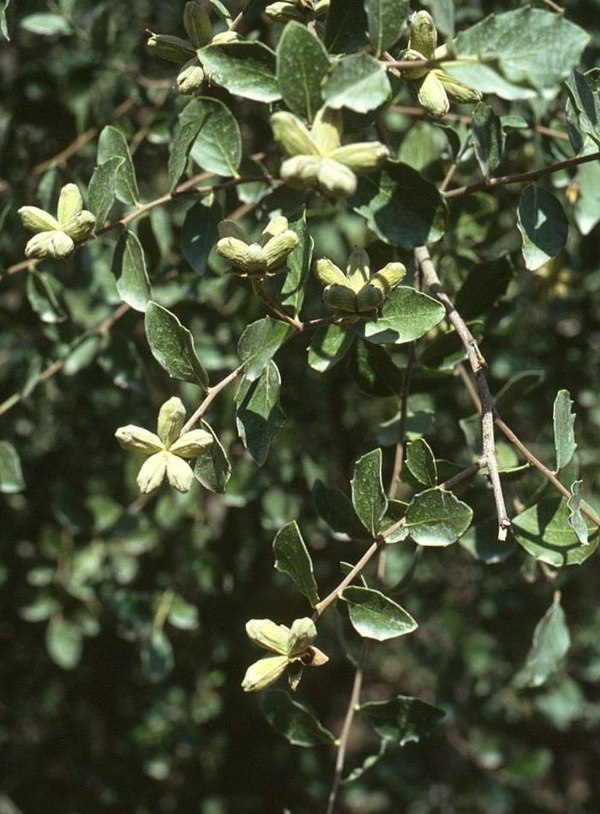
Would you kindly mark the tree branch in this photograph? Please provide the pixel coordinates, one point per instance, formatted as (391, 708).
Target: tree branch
(478, 366)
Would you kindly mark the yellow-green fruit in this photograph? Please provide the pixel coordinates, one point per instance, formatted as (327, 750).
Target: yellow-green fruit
(327, 129)
(341, 298)
(196, 21)
(233, 250)
(50, 244)
(328, 273)
(414, 73)
(369, 298)
(173, 49)
(170, 420)
(335, 179)
(365, 156)
(277, 249)
(190, 77)
(388, 277)
(301, 171)
(37, 220)
(432, 96)
(81, 226)
(292, 135)
(302, 634)
(70, 203)
(456, 90)
(423, 34)
(283, 11)
(225, 36)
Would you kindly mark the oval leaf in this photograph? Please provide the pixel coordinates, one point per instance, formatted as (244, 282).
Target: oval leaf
(259, 343)
(375, 616)
(218, 144)
(101, 190)
(129, 266)
(406, 315)
(402, 719)
(386, 19)
(357, 82)
(11, 476)
(551, 642)
(437, 518)
(564, 433)
(292, 558)
(112, 144)
(172, 346)
(293, 720)
(543, 226)
(368, 496)
(244, 68)
(302, 63)
(421, 462)
(544, 532)
(212, 468)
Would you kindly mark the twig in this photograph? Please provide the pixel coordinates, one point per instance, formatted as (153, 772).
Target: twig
(342, 743)
(354, 572)
(522, 177)
(547, 473)
(211, 394)
(401, 443)
(478, 365)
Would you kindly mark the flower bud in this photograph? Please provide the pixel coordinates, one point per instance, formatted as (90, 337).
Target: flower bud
(179, 473)
(170, 421)
(137, 439)
(457, 91)
(37, 220)
(292, 136)
(191, 444)
(225, 36)
(340, 298)
(173, 49)
(269, 635)
(70, 203)
(302, 634)
(275, 226)
(264, 672)
(328, 273)
(369, 298)
(365, 156)
(432, 96)
(423, 34)
(335, 179)
(357, 270)
(81, 226)
(50, 244)
(233, 250)
(388, 277)
(301, 171)
(327, 129)
(152, 473)
(196, 21)
(190, 77)
(277, 249)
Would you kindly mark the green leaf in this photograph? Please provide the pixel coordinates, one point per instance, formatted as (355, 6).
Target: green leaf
(112, 144)
(406, 315)
(386, 19)
(329, 345)
(488, 138)
(373, 371)
(544, 532)
(484, 285)
(182, 614)
(564, 433)
(525, 51)
(337, 511)
(446, 350)
(47, 24)
(346, 26)
(421, 462)
(293, 720)
(375, 616)
(298, 267)
(259, 343)
(218, 144)
(245, 69)
(402, 719)
(259, 415)
(357, 82)
(129, 266)
(292, 558)
(172, 346)
(583, 110)
(517, 387)
(302, 64)
(101, 191)
(401, 206)
(481, 541)
(200, 232)
(437, 518)
(576, 519)
(551, 642)
(367, 763)
(184, 135)
(11, 476)
(543, 226)
(64, 643)
(587, 206)
(157, 656)
(368, 497)
(43, 295)
(212, 468)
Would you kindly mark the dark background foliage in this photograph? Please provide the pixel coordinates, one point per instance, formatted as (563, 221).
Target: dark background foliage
(122, 622)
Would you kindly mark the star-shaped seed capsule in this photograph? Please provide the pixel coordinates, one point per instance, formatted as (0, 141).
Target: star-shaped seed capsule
(357, 294)
(433, 87)
(317, 158)
(294, 648)
(257, 260)
(57, 236)
(167, 450)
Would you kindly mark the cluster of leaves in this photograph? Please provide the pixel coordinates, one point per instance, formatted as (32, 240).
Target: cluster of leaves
(126, 613)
